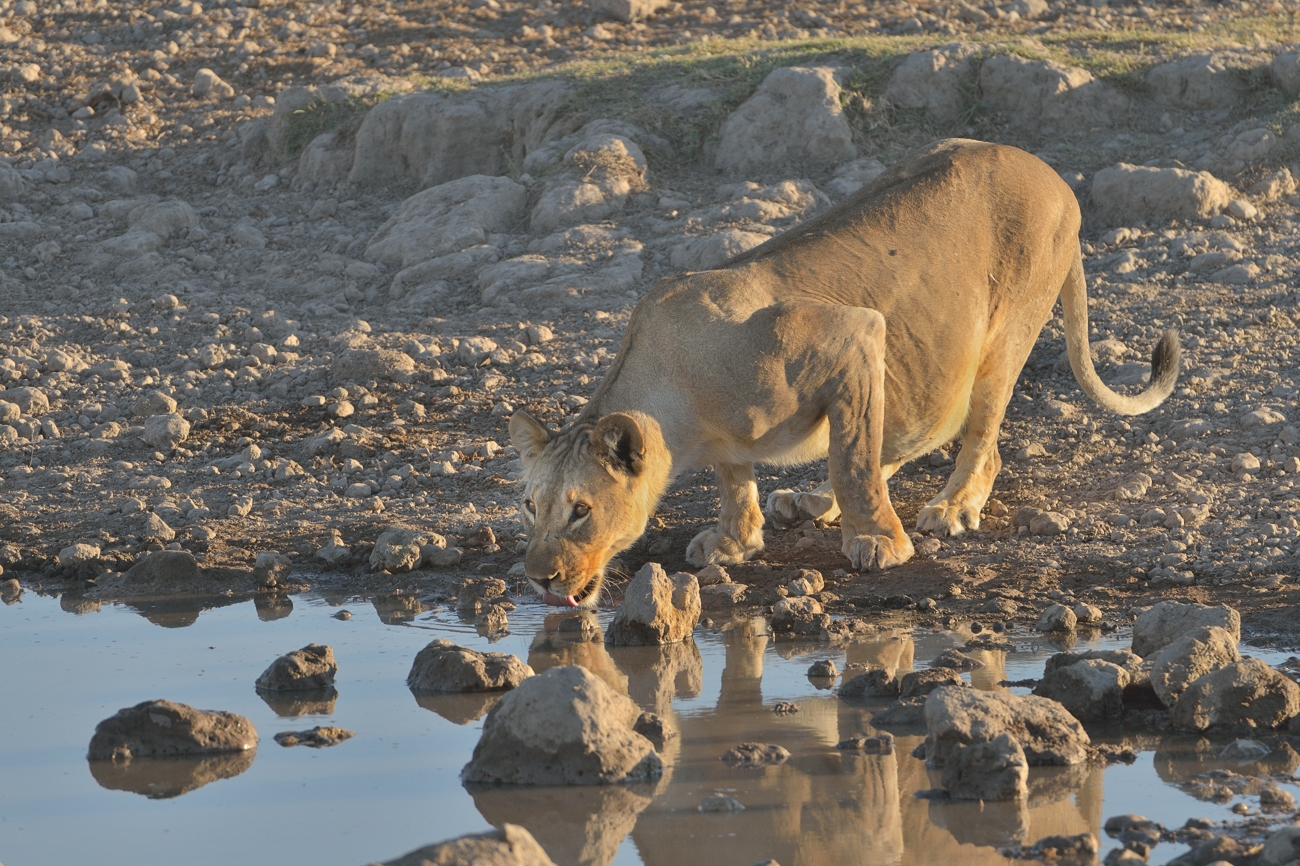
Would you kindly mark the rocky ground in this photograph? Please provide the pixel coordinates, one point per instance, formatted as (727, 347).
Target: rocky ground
(274, 275)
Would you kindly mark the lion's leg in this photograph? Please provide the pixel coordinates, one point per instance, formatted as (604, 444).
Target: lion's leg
(873, 535)
(739, 533)
(788, 507)
(957, 508)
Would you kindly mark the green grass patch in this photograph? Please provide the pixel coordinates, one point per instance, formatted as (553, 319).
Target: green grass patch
(627, 84)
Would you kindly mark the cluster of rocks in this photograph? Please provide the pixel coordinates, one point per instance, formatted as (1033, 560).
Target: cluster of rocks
(1187, 656)
(1183, 656)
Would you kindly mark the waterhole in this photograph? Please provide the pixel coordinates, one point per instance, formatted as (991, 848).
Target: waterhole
(66, 664)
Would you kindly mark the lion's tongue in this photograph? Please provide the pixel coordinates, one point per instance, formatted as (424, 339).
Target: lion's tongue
(559, 600)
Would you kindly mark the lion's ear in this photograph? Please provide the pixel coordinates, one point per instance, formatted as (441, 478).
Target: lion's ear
(529, 436)
(619, 442)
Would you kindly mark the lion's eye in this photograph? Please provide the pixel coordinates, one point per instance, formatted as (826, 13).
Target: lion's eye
(530, 507)
(581, 510)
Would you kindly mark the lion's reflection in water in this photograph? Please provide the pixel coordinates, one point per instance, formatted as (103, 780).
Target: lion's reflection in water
(822, 806)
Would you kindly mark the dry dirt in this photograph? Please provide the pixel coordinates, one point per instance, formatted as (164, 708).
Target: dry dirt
(241, 315)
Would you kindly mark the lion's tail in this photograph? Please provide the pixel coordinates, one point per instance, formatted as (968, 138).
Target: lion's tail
(1164, 359)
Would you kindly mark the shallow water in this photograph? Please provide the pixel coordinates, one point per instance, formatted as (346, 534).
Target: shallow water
(395, 786)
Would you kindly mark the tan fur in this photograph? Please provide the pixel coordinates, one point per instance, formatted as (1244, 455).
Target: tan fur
(883, 329)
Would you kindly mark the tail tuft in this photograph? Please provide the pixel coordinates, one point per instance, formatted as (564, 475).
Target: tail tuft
(1165, 361)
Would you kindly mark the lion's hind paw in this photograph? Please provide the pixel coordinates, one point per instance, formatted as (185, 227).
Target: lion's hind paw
(790, 507)
(711, 547)
(942, 518)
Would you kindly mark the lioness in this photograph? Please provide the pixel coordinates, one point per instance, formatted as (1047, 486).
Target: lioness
(873, 334)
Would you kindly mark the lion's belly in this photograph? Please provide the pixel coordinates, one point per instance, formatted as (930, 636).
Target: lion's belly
(786, 445)
(791, 446)
(922, 417)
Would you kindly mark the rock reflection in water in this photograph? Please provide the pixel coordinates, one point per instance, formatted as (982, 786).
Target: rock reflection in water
(397, 609)
(78, 604)
(163, 778)
(994, 671)
(272, 607)
(827, 807)
(179, 612)
(982, 824)
(820, 807)
(657, 674)
(577, 826)
(459, 709)
(305, 702)
(1183, 758)
(554, 647)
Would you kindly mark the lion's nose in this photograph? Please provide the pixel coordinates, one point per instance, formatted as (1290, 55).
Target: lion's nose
(547, 581)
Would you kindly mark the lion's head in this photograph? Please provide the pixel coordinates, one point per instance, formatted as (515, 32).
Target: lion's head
(588, 493)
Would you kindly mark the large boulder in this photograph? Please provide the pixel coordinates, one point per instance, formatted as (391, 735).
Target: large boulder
(1285, 68)
(162, 729)
(793, 119)
(325, 161)
(1130, 661)
(1163, 623)
(12, 184)
(935, 81)
(799, 615)
(922, 682)
(991, 770)
(510, 845)
(1206, 81)
(1177, 665)
(1044, 94)
(1125, 194)
(161, 568)
(853, 176)
(563, 727)
(957, 717)
(165, 432)
(604, 170)
(431, 138)
(710, 251)
(1281, 847)
(874, 683)
(1090, 690)
(656, 608)
(629, 10)
(442, 666)
(276, 139)
(150, 226)
(312, 667)
(1245, 695)
(447, 219)
(398, 550)
(584, 267)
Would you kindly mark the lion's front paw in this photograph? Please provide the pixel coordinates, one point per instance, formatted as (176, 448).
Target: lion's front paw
(711, 547)
(872, 552)
(788, 507)
(943, 518)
